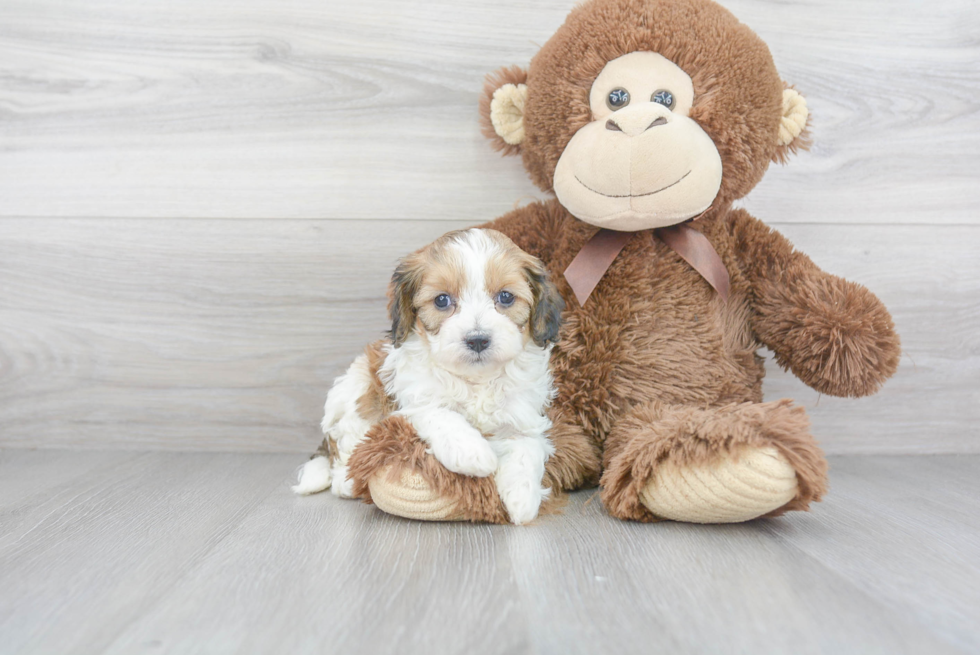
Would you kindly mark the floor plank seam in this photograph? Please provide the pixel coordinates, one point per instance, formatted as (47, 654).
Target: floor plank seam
(889, 609)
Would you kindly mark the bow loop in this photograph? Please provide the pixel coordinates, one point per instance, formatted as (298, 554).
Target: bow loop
(598, 254)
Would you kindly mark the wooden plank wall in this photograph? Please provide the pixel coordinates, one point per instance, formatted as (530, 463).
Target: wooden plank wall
(200, 203)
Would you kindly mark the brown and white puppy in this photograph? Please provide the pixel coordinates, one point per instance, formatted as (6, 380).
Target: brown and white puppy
(473, 320)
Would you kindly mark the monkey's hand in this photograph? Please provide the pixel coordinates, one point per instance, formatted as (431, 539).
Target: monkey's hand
(833, 334)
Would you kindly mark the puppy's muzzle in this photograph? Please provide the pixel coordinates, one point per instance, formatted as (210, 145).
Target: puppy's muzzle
(477, 341)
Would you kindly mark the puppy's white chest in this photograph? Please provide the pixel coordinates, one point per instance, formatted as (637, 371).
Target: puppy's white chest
(504, 405)
(483, 411)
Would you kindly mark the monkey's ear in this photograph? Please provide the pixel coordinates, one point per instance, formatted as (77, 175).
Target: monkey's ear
(401, 293)
(794, 134)
(545, 320)
(502, 109)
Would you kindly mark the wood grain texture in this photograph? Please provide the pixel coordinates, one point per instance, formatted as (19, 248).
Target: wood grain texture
(84, 557)
(226, 335)
(368, 110)
(934, 533)
(211, 553)
(193, 334)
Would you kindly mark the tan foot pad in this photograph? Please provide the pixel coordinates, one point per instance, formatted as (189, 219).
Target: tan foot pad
(411, 497)
(759, 481)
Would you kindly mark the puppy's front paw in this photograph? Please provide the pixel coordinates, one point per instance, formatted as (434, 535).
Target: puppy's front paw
(466, 455)
(522, 499)
(342, 485)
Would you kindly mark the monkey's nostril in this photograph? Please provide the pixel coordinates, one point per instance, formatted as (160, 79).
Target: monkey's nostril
(611, 125)
(660, 121)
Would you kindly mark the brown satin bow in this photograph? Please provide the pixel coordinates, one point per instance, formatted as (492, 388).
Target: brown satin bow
(597, 255)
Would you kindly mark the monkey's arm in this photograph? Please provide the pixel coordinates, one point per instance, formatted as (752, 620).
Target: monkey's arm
(833, 334)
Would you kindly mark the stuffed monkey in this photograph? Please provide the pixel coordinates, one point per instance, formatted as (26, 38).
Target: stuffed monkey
(648, 119)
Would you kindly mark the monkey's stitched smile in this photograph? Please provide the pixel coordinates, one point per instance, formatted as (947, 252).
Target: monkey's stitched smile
(629, 195)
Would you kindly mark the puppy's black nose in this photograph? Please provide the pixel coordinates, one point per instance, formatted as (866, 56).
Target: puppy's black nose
(477, 342)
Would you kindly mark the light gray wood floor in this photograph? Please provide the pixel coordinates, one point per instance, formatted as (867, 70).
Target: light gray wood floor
(129, 552)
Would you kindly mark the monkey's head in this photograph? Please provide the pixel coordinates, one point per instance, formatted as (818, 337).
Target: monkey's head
(645, 113)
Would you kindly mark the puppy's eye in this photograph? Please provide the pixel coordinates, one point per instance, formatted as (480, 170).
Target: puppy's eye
(663, 97)
(505, 298)
(618, 98)
(442, 301)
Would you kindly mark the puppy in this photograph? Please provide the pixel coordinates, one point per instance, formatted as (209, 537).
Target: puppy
(473, 320)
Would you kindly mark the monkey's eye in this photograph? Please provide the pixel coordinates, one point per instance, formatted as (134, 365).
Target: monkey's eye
(618, 98)
(505, 298)
(442, 301)
(663, 97)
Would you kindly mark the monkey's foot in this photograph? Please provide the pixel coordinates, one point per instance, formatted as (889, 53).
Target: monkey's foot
(715, 465)
(409, 495)
(743, 485)
(393, 469)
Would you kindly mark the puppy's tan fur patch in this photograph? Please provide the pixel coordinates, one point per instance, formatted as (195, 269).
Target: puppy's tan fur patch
(375, 405)
(507, 271)
(444, 274)
(438, 269)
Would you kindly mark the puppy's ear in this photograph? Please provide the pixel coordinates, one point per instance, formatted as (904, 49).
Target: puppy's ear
(548, 304)
(502, 109)
(401, 293)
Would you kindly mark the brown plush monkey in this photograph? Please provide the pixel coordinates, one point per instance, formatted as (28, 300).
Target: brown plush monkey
(648, 119)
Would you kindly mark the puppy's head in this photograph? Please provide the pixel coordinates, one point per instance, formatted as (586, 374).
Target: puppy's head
(474, 299)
